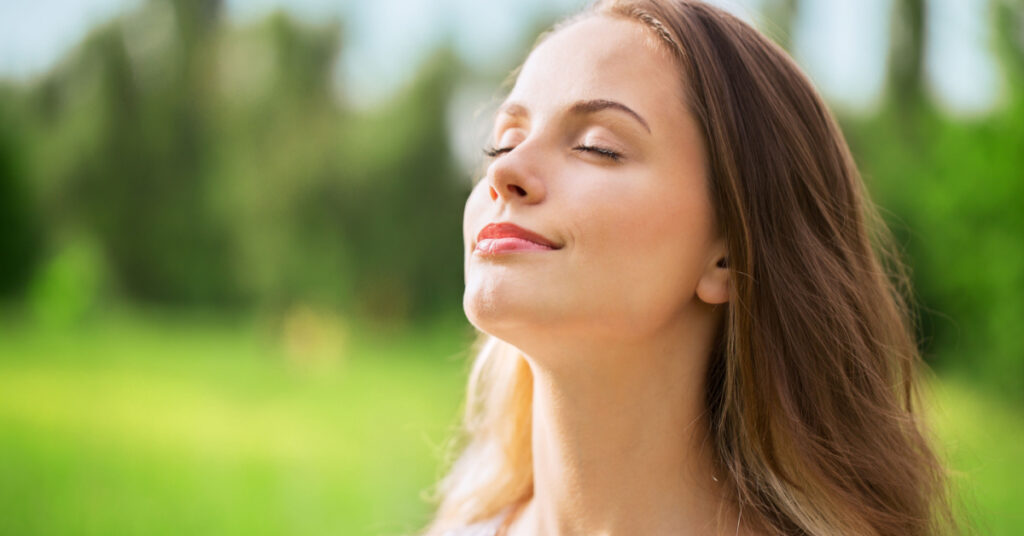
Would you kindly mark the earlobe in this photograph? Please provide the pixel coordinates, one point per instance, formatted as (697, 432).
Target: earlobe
(713, 287)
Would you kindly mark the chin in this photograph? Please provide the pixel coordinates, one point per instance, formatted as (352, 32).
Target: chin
(498, 311)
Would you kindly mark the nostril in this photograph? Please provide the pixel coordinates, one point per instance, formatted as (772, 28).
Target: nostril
(516, 189)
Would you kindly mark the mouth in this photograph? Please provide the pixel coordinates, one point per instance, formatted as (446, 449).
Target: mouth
(507, 237)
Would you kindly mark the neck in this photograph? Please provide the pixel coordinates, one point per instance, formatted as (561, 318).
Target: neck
(620, 439)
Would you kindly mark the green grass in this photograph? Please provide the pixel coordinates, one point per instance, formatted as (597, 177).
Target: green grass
(983, 439)
(139, 428)
(163, 426)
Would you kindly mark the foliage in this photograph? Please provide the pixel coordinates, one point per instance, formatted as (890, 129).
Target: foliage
(20, 228)
(182, 161)
(217, 167)
(951, 189)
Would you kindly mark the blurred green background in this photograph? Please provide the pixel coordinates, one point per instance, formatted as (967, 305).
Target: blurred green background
(230, 289)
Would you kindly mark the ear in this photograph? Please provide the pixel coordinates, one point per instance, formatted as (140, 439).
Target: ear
(713, 286)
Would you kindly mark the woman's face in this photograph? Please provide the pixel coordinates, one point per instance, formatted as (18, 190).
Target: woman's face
(597, 155)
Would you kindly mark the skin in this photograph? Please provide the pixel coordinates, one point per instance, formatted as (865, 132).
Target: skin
(617, 324)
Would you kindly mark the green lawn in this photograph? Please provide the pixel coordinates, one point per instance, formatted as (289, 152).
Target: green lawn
(165, 426)
(983, 438)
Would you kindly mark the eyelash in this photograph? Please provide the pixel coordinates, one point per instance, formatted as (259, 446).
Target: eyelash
(607, 153)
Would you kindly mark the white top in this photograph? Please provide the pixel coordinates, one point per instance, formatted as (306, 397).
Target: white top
(488, 527)
(483, 528)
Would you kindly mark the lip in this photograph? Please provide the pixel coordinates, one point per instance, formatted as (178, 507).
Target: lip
(504, 237)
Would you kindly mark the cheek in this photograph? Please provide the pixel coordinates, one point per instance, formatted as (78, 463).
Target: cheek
(651, 243)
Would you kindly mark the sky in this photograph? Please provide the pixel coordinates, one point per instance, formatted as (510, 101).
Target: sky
(842, 44)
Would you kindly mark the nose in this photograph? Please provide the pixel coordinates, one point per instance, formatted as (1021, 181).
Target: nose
(513, 178)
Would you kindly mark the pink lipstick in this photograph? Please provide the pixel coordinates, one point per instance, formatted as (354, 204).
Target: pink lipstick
(506, 237)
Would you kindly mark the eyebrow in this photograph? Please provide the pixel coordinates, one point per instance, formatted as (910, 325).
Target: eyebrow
(579, 108)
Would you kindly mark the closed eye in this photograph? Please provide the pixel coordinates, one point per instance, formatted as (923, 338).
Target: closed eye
(607, 153)
(495, 151)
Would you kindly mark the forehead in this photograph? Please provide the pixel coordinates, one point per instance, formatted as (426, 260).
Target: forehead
(601, 57)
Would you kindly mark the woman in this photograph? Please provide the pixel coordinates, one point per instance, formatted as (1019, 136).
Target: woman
(690, 327)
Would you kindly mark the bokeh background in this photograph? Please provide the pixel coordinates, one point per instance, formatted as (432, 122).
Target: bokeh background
(231, 257)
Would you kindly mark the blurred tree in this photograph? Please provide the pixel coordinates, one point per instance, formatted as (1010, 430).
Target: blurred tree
(219, 166)
(334, 207)
(951, 190)
(906, 62)
(279, 163)
(1009, 47)
(20, 233)
(214, 165)
(780, 20)
(405, 206)
(139, 180)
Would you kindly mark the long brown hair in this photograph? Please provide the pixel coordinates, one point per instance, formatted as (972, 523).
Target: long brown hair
(812, 387)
